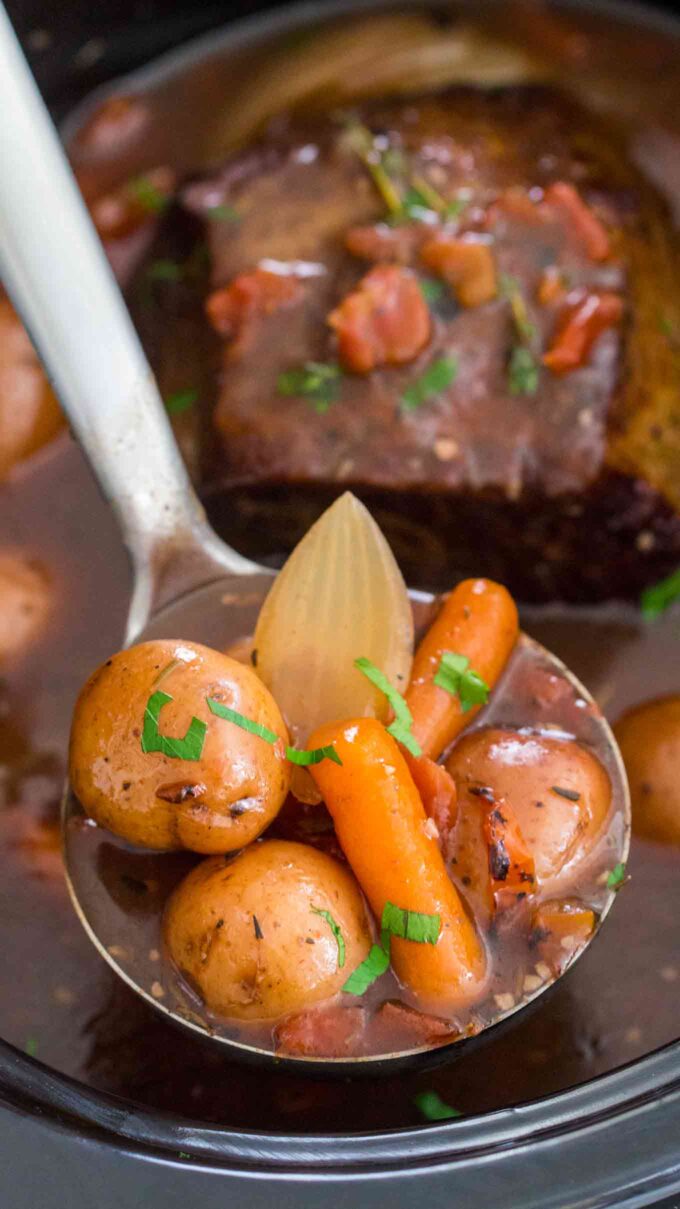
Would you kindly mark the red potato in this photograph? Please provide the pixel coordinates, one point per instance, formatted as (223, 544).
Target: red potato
(217, 803)
(246, 934)
(527, 771)
(649, 738)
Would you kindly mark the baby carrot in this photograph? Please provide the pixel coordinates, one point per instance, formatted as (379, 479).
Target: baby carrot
(479, 620)
(383, 829)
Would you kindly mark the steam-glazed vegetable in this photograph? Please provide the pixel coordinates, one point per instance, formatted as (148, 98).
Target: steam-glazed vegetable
(151, 761)
(276, 929)
(649, 737)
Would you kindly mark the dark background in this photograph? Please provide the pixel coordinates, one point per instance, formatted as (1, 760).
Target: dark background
(74, 45)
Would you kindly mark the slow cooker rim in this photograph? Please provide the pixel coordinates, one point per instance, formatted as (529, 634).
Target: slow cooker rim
(27, 1086)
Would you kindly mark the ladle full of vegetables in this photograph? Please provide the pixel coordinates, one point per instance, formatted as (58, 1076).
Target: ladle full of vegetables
(311, 816)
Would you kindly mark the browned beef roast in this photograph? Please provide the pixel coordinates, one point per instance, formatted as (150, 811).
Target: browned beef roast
(561, 485)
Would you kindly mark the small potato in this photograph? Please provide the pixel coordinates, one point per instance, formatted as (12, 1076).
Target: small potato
(217, 803)
(649, 738)
(528, 771)
(25, 602)
(29, 413)
(246, 934)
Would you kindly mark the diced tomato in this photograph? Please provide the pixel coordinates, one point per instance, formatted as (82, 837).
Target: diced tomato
(127, 208)
(466, 263)
(585, 317)
(385, 321)
(437, 790)
(585, 223)
(397, 1026)
(559, 930)
(250, 296)
(327, 1032)
(381, 243)
(511, 864)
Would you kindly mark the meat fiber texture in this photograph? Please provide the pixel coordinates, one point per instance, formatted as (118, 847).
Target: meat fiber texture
(571, 492)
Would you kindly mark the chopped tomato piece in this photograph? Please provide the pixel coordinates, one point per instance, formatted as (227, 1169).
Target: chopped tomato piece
(585, 318)
(385, 321)
(585, 223)
(437, 790)
(381, 243)
(330, 1032)
(397, 1026)
(136, 202)
(511, 864)
(250, 296)
(466, 263)
(551, 287)
(559, 930)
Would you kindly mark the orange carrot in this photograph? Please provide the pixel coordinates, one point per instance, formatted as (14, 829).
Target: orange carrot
(585, 317)
(437, 790)
(382, 827)
(478, 620)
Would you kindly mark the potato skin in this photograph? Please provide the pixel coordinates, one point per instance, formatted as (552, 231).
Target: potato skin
(522, 768)
(269, 969)
(218, 803)
(649, 738)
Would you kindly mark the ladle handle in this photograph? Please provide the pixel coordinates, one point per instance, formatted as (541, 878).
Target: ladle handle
(54, 269)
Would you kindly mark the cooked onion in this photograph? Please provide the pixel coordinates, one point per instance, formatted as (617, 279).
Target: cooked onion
(339, 596)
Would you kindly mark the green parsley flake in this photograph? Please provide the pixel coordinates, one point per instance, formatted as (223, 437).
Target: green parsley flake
(256, 728)
(400, 729)
(405, 925)
(317, 382)
(31, 1046)
(433, 1108)
(618, 877)
(181, 401)
(522, 372)
(656, 599)
(148, 196)
(164, 270)
(455, 675)
(437, 378)
(335, 929)
(222, 213)
(190, 747)
(431, 290)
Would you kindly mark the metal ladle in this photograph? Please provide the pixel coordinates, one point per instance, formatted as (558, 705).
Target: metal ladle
(187, 583)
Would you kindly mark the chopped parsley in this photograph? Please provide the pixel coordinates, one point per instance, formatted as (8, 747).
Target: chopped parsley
(455, 675)
(148, 196)
(433, 1108)
(180, 401)
(437, 377)
(263, 732)
(522, 372)
(406, 925)
(656, 599)
(164, 270)
(222, 213)
(400, 729)
(617, 878)
(31, 1046)
(431, 290)
(317, 382)
(190, 747)
(335, 929)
